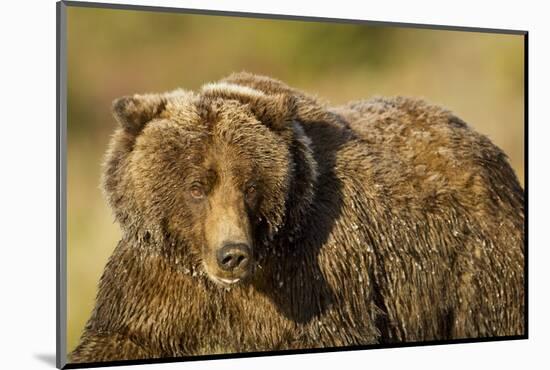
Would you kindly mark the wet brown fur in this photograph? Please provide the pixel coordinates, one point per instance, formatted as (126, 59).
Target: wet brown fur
(386, 220)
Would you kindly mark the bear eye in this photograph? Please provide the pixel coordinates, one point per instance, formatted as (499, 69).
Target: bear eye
(251, 190)
(197, 191)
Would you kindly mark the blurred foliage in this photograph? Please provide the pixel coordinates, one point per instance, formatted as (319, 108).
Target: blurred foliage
(118, 52)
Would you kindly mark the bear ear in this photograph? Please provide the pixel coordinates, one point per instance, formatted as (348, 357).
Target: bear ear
(133, 112)
(275, 111)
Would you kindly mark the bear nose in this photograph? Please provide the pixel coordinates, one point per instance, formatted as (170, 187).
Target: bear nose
(233, 256)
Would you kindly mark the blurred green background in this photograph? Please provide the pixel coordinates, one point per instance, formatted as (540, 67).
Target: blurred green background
(118, 52)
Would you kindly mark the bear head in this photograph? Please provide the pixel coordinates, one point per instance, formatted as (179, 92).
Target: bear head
(210, 178)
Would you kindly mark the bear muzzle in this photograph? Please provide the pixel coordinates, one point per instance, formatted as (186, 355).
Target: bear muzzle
(232, 264)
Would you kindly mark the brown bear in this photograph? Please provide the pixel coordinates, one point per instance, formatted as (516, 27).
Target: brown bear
(256, 218)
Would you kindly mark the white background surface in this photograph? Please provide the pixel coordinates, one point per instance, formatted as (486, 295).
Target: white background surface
(27, 183)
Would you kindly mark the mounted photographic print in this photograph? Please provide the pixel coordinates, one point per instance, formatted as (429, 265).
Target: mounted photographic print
(237, 184)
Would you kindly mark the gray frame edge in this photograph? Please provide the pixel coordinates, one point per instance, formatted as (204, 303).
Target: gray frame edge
(286, 17)
(61, 184)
